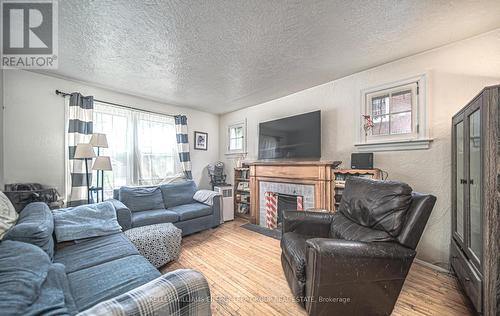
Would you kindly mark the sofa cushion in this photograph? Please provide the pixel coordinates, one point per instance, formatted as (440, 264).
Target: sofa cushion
(343, 228)
(55, 296)
(35, 225)
(95, 251)
(191, 210)
(294, 250)
(23, 269)
(153, 217)
(179, 193)
(107, 280)
(86, 221)
(376, 204)
(141, 198)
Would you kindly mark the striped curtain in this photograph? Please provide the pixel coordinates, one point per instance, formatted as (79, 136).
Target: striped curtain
(181, 131)
(80, 130)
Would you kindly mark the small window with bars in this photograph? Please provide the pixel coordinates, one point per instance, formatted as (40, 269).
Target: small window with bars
(236, 140)
(392, 112)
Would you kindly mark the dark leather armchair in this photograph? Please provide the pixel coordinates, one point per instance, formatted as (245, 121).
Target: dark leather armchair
(355, 261)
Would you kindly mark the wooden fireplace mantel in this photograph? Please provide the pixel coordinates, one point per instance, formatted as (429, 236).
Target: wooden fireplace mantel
(317, 173)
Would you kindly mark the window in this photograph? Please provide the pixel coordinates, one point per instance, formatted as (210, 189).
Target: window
(393, 117)
(142, 146)
(236, 141)
(392, 111)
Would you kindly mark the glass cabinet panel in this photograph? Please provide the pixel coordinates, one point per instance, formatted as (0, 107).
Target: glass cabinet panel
(475, 233)
(460, 176)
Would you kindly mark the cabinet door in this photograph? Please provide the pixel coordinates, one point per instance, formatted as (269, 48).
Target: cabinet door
(458, 180)
(473, 189)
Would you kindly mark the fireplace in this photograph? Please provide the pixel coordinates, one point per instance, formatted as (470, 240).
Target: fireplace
(276, 203)
(310, 179)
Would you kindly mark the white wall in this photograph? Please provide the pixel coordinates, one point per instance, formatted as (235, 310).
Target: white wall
(34, 127)
(456, 73)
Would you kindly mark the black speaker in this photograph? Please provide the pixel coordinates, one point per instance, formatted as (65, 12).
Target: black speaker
(362, 161)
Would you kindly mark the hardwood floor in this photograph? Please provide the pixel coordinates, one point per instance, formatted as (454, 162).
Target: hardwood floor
(244, 272)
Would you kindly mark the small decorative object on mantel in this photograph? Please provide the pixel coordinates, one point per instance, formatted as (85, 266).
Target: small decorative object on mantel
(200, 141)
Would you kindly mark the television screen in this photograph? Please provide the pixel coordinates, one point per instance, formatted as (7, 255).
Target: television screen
(295, 137)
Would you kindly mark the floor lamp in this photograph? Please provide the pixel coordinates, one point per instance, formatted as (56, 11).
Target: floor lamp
(101, 163)
(85, 152)
(99, 140)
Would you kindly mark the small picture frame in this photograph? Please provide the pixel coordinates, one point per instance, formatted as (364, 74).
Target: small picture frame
(200, 141)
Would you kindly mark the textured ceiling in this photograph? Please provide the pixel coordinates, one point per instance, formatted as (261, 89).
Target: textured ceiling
(219, 56)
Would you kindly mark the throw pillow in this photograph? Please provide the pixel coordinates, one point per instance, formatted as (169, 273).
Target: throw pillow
(8, 215)
(179, 193)
(141, 198)
(376, 204)
(85, 221)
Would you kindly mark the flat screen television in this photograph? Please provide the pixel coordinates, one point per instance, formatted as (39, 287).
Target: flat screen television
(294, 137)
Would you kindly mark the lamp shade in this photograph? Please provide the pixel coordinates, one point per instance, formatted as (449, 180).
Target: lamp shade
(99, 140)
(84, 151)
(102, 163)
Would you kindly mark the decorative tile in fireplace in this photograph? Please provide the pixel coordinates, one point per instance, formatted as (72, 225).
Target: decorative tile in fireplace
(276, 203)
(290, 194)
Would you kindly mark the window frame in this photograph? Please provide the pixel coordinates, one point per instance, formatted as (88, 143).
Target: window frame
(413, 87)
(243, 126)
(417, 139)
(133, 118)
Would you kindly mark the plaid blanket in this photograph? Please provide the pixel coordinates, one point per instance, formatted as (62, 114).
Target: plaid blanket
(181, 292)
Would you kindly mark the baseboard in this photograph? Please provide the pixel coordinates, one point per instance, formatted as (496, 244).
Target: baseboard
(432, 266)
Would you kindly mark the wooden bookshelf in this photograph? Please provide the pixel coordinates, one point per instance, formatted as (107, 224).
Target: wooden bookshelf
(242, 192)
(340, 175)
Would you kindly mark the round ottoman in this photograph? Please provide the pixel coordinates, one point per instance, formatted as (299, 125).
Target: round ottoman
(159, 243)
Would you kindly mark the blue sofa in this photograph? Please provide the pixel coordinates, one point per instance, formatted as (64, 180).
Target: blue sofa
(38, 276)
(166, 203)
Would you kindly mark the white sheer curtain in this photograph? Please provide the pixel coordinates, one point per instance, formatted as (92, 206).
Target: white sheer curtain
(142, 146)
(156, 150)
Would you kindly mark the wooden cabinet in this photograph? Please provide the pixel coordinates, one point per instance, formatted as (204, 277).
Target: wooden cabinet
(475, 198)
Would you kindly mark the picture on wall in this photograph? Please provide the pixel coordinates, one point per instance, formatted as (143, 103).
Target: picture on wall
(200, 140)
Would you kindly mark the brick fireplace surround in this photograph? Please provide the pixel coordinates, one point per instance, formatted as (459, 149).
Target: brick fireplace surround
(316, 175)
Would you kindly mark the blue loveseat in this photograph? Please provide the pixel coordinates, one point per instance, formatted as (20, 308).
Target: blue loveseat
(92, 276)
(166, 203)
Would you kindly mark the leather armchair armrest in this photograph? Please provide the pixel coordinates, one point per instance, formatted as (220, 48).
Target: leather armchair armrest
(353, 261)
(123, 214)
(307, 223)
